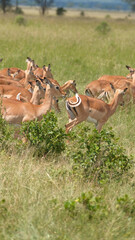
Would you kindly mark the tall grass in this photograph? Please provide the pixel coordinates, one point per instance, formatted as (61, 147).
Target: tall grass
(33, 191)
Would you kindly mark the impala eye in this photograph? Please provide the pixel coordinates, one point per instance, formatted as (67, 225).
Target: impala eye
(57, 88)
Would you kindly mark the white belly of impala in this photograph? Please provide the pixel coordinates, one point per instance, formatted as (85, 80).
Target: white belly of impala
(93, 120)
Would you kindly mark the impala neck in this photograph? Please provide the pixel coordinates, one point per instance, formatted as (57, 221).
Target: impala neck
(35, 98)
(47, 103)
(64, 87)
(133, 76)
(114, 103)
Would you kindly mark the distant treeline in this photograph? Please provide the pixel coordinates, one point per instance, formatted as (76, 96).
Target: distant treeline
(113, 5)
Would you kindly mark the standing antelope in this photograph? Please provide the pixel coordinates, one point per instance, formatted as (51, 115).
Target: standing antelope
(83, 108)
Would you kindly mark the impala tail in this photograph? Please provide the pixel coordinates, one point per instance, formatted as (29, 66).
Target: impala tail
(71, 106)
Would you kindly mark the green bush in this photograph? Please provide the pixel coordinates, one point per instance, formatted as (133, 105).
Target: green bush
(103, 28)
(18, 10)
(20, 20)
(98, 156)
(45, 135)
(60, 11)
(82, 13)
(87, 203)
(127, 204)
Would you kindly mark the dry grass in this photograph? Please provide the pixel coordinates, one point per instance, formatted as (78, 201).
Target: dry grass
(33, 190)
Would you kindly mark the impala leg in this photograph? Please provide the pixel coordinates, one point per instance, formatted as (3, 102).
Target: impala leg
(74, 122)
(99, 126)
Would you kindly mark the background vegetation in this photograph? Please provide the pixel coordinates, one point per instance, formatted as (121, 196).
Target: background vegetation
(45, 197)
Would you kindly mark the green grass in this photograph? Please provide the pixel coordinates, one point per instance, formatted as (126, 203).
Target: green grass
(33, 190)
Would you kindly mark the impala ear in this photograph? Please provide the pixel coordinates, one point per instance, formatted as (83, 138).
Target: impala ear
(8, 72)
(128, 67)
(28, 59)
(113, 88)
(49, 67)
(38, 83)
(47, 81)
(30, 83)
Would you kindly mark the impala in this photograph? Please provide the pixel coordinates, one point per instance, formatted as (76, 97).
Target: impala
(29, 76)
(23, 94)
(97, 88)
(113, 78)
(16, 112)
(83, 108)
(43, 72)
(70, 85)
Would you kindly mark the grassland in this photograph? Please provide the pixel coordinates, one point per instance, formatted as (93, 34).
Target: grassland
(33, 190)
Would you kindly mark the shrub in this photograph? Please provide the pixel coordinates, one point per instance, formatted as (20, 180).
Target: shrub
(20, 20)
(89, 203)
(45, 135)
(98, 156)
(127, 204)
(103, 28)
(18, 10)
(60, 11)
(82, 13)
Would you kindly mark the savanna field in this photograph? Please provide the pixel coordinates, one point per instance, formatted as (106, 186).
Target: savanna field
(77, 192)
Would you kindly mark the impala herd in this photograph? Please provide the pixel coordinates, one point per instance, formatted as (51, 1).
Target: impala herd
(29, 94)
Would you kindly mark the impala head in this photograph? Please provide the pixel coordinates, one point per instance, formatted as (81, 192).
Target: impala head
(30, 75)
(47, 71)
(30, 63)
(55, 104)
(38, 93)
(55, 89)
(131, 70)
(70, 85)
(119, 93)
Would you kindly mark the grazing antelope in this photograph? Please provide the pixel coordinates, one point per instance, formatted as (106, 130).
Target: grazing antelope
(83, 108)
(16, 112)
(97, 89)
(113, 78)
(70, 85)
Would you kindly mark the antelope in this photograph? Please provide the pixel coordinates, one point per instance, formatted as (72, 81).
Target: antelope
(23, 94)
(44, 72)
(97, 89)
(84, 108)
(5, 72)
(16, 112)
(102, 89)
(69, 85)
(29, 76)
(113, 78)
(8, 81)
